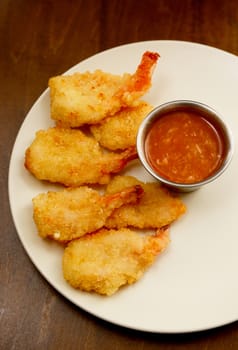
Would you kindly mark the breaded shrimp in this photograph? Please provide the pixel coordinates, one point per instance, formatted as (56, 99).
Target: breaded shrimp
(108, 259)
(69, 157)
(87, 98)
(71, 213)
(140, 82)
(119, 131)
(157, 208)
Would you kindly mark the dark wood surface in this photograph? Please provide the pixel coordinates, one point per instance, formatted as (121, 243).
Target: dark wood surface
(40, 39)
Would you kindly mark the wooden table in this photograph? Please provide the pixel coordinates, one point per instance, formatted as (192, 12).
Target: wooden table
(43, 38)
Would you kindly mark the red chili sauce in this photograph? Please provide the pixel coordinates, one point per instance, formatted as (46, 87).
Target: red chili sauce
(183, 147)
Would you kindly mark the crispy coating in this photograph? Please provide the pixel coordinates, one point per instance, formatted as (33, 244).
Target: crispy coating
(69, 157)
(108, 259)
(157, 208)
(119, 131)
(71, 213)
(87, 98)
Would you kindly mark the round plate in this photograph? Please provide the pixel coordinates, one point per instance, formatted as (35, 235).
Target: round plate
(193, 285)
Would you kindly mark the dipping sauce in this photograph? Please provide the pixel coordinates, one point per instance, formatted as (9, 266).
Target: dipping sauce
(183, 147)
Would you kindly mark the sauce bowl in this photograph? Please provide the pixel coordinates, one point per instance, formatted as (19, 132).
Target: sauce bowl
(184, 144)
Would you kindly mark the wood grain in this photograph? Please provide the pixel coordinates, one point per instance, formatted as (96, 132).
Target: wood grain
(43, 38)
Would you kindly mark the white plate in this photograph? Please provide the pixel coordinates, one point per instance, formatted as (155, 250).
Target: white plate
(193, 285)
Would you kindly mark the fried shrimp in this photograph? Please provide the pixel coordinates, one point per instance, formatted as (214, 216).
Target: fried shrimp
(69, 157)
(71, 213)
(157, 208)
(108, 259)
(119, 131)
(140, 82)
(87, 98)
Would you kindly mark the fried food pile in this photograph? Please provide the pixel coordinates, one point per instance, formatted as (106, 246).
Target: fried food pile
(99, 215)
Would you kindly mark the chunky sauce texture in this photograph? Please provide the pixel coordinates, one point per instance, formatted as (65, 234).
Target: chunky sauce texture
(183, 147)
